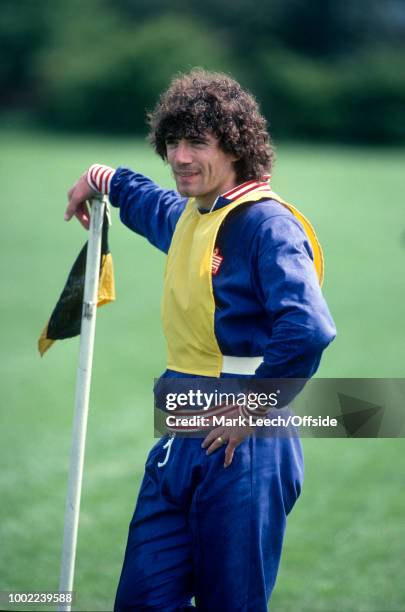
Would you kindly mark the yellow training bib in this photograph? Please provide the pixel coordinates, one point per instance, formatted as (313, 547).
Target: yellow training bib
(188, 305)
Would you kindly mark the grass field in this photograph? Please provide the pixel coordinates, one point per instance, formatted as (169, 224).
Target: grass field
(345, 540)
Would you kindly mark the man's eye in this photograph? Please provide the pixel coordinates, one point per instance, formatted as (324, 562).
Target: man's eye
(198, 141)
(171, 142)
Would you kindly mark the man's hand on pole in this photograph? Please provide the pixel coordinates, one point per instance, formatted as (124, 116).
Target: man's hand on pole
(78, 195)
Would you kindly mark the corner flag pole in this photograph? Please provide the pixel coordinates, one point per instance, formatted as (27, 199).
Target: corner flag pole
(87, 333)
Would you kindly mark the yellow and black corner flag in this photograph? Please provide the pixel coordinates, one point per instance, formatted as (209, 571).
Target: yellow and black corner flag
(65, 321)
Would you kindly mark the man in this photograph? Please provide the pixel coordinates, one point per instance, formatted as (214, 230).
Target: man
(241, 298)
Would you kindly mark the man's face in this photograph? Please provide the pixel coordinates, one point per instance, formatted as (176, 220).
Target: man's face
(200, 168)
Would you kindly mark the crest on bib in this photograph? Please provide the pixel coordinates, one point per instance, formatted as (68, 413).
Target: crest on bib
(217, 260)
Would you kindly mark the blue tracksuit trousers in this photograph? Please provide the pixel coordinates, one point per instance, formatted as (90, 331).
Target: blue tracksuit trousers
(200, 530)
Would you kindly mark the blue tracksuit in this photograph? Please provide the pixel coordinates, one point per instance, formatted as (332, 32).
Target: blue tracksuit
(198, 529)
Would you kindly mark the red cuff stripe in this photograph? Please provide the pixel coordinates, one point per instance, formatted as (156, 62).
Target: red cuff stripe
(101, 180)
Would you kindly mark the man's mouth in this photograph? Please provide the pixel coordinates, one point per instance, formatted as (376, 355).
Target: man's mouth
(185, 174)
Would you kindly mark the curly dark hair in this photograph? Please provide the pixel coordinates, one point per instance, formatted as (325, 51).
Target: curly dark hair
(202, 101)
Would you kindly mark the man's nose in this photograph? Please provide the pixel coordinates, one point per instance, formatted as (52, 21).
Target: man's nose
(182, 153)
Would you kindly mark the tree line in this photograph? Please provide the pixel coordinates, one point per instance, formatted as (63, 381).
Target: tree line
(320, 69)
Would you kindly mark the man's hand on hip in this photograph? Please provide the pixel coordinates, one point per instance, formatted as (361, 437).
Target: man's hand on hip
(232, 436)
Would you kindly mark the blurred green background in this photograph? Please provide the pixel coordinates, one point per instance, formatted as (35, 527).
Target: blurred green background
(321, 69)
(77, 79)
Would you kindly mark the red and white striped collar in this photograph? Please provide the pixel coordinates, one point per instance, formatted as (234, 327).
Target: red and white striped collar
(245, 188)
(249, 187)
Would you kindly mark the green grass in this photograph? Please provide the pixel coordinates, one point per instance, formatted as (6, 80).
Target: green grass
(344, 543)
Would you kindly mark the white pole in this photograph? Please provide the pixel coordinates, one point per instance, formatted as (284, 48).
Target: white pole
(88, 328)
